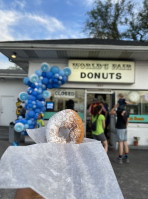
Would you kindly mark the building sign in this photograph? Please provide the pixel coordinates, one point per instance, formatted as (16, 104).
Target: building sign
(101, 71)
(64, 93)
(138, 118)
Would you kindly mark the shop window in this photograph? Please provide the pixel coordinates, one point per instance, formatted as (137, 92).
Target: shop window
(66, 99)
(138, 109)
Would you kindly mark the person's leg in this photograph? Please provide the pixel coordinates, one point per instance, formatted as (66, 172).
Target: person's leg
(120, 151)
(126, 147)
(126, 158)
(120, 148)
(105, 144)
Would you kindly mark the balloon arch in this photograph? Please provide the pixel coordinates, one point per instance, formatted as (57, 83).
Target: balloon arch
(34, 98)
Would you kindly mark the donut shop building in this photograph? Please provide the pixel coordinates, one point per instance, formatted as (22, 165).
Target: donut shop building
(100, 70)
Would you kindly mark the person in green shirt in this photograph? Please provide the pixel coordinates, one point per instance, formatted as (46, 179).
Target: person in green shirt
(98, 134)
(40, 121)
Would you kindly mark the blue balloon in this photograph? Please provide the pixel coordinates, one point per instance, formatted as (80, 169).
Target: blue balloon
(33, 102)
(43, 102)
(24, 121)
(36, 117)
(56, 85)
(14, 144)
(37, 110)
(29, 122)
(40, 90)
(26, 126)
(49, 74)
(45, 80)
(39, 97)
(20, 117)
(59, 82)
(31, 114)
(24, 132)
(44, 74)
(39, 104)
(43, 86)
(19, 127)
(26, 106)
(29, 83)
(61, 73)
(49, 85)
(44, 67)
(29, 90)
(38, 72)
(17, 121)
(37, 93)
(50, 80)
(33, 85)
(67, 71)
(30, 106)
(60, 77)
(34, 93)
(32, 98)
(46, 94)
(43, 109)
(34, 78)
(26, 80)
(64, 79)
(34, 106)
(55, 80)
(54, 69)
(31, 126)
(23, 96)
(56, 75)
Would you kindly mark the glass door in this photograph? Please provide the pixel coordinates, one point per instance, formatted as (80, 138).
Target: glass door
(96, 97)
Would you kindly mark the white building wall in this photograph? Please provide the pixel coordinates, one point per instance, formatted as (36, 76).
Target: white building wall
(9, 91)
(141, 79)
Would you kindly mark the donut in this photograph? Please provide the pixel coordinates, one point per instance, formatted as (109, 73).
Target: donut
(67, 119)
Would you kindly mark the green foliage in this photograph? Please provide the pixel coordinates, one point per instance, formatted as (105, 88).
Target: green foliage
(110, 19)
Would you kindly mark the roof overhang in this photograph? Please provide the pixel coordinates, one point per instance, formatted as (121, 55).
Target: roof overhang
(74, 49)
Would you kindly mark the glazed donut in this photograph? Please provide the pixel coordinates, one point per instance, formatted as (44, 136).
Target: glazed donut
(67, 119)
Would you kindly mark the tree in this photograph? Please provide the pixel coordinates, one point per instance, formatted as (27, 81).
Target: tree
(138, 29)
(110, 19)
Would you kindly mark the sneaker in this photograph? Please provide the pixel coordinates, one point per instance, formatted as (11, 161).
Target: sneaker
(119, 160)
(126, 159)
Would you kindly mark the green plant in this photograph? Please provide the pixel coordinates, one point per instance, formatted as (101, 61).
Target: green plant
(136, 138)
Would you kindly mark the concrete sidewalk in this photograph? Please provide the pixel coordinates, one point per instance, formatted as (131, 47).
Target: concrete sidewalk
(132, 177)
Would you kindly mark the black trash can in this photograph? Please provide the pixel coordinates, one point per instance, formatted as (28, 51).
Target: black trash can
(13, 135)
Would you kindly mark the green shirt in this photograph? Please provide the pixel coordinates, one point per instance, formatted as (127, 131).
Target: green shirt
(40, 123)
(99, 127)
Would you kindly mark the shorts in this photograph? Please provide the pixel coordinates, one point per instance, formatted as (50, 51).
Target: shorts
(100, 137)
(121, 135)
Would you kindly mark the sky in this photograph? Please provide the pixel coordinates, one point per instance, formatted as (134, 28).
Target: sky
(42, 20)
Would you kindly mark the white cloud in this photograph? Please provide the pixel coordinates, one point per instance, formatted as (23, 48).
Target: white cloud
(7, 20)
(15, 25)
(50, 23)
(89, 2)
(20, 4)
